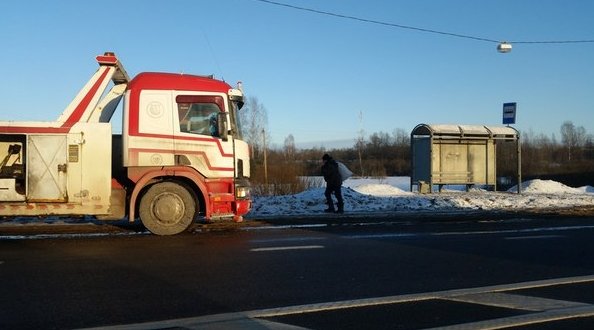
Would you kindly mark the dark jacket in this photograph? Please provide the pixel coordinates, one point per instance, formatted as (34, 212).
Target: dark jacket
(330, 173)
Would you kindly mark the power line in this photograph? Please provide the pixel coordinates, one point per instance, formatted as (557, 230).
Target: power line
(400, 26)
(376, 22)
(554, 42)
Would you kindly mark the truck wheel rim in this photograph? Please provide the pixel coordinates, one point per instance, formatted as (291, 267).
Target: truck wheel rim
(168, 208)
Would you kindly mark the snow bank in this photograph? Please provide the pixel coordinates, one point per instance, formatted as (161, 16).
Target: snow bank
(548, 187)
(392, 194)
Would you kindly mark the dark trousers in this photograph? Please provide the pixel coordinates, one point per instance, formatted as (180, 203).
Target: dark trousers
(337, 191)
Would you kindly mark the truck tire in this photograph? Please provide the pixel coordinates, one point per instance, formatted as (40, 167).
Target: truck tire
(167, 208)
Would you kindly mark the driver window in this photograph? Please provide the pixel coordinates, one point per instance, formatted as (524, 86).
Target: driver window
(198, 117)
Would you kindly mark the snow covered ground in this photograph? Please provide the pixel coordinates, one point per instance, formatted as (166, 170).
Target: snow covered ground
(365, 195)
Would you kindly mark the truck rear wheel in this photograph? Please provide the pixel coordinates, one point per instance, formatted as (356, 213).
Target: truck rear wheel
(167, 208)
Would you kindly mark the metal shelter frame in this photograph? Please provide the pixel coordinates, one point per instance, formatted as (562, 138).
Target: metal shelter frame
(458, 155)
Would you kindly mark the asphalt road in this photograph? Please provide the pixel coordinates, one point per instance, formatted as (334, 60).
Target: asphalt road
(319, 273)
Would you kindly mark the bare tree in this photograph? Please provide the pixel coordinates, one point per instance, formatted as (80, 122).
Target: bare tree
(360, 143)
(289, 147)
(254, 118)
(401, 160)
(401, 138)
(572, 137)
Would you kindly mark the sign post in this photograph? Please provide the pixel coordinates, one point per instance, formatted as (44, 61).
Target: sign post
(509, 117)
(509, 113)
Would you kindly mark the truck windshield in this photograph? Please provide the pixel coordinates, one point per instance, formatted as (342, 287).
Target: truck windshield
(236, 120)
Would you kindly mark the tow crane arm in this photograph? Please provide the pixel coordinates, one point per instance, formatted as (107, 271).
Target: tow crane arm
(88, 106)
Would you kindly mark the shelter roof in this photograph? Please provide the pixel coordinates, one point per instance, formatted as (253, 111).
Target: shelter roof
(465, 131)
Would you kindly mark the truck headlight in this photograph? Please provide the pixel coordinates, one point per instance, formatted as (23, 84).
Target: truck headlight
(242, 192)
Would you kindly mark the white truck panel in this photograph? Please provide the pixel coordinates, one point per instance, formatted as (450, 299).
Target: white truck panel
(144, 151)
(8, 192)
(46, 168)
(90, 173)
(211, 157)
(154, 146)
(155, 114)
(31, 124)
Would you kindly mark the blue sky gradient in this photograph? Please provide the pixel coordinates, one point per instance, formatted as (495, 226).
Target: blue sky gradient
(316, 73)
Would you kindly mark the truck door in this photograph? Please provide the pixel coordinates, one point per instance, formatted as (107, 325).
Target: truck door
(198, 142)
(46, 168)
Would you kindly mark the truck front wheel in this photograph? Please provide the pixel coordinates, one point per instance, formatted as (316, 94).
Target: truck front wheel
(167, 208)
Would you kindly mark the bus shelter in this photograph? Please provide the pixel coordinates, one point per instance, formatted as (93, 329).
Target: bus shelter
(458, 155)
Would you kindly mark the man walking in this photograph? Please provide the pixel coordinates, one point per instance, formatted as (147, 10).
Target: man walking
(333, 184)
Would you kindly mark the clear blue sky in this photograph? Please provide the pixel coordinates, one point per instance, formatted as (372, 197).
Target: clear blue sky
(316, 73)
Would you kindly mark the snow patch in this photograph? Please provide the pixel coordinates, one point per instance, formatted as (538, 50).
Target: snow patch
(393, 194)
(547, 187)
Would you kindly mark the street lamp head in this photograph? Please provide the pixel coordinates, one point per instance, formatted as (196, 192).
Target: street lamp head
(504, 47)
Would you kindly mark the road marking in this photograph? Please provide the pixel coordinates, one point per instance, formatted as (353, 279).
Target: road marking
(285, 248)
(507, 231)
(67, 236)
(416, 297)
(482, 232)
(243, 318)
(566, 310)
(289, 239)
(533, 237)
(515, 301)
(390, 235)
(215, 321)
(315, 225)
(527, 319)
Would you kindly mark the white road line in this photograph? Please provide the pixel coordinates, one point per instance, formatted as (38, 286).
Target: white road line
(416, 297)
(236, 319)
(389, 235)
(468, 233)
(516, 301)
(68, 235)
(512, 231)
(523, 320)
(289, 239)
(272, 227)
(533, 237)
(285, 248)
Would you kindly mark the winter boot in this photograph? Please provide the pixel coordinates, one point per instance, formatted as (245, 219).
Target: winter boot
(330, 204)
(340, 209)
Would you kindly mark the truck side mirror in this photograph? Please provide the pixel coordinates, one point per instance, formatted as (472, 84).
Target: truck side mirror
(222, 126)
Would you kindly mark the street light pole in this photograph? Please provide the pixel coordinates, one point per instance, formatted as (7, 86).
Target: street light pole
(265, 159)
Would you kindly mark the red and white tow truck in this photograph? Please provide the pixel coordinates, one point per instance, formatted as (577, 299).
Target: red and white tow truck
(180, 154)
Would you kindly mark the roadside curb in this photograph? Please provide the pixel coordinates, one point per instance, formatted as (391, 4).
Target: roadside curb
(37, 227)
(423, 216)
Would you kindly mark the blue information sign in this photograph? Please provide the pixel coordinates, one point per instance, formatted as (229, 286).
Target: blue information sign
(509, 113)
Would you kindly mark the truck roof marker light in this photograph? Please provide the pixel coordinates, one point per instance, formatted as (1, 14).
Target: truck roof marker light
(108, 58)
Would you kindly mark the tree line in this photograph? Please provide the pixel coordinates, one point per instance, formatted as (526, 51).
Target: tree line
(569, 160)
